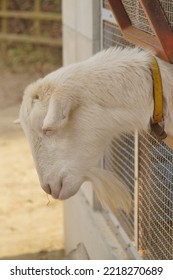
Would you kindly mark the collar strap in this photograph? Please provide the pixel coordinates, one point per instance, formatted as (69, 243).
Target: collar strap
(158, 101)
(157, 92)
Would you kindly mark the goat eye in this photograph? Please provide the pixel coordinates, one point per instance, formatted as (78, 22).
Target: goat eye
(48, 131)
(36, 97)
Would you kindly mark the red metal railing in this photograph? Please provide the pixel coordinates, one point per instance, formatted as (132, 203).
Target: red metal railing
(161, 42)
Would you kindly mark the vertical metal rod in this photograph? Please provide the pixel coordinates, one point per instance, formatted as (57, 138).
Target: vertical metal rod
(136, 193)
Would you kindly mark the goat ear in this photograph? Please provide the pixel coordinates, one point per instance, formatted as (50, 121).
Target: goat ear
(58, 112)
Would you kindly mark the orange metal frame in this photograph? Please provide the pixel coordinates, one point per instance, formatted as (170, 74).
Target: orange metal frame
(161, 42)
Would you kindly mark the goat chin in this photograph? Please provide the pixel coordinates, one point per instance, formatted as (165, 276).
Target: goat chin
(111, 192)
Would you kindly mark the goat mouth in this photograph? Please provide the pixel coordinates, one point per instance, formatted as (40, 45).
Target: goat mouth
(47, 189)
(56, 194)
(67, 190)
(64, 191)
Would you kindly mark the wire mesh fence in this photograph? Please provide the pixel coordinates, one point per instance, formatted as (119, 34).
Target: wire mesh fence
(167, 6)
(155, 164)
(136, 15)
(155, 198)
(119, 158)
(112, 36)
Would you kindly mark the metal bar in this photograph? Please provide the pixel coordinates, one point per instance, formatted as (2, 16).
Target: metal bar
(130, 32)
(125, 241)
(144, 40)
(120, 13)
(136, 195)
(162, 43)
(160, 25)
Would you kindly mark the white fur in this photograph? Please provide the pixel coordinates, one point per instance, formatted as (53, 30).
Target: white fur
(71, 115)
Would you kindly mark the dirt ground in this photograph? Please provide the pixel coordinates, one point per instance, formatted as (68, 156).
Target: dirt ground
(31, 227)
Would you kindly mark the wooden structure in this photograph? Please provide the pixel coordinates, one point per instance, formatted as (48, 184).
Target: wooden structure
(37, 16)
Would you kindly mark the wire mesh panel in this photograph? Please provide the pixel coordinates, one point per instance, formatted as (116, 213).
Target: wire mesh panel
(136, 15)
(119, 158)
(167, 6)
(112, 36)
(155, 198)
(155, 160)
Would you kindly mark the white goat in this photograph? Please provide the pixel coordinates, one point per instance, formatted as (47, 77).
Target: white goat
(71, 115)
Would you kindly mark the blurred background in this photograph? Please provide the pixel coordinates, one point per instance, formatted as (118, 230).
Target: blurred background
(31, 224)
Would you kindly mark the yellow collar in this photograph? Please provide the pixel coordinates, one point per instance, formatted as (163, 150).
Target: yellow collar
(158, 101)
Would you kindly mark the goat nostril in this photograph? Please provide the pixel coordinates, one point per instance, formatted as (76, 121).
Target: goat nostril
(47, 189)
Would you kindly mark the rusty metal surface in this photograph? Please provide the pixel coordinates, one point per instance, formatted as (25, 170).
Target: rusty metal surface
(161, 42)
(120, 14)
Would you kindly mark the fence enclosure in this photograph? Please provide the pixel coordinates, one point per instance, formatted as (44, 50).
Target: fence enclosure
(142, 162)
(29, 21)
